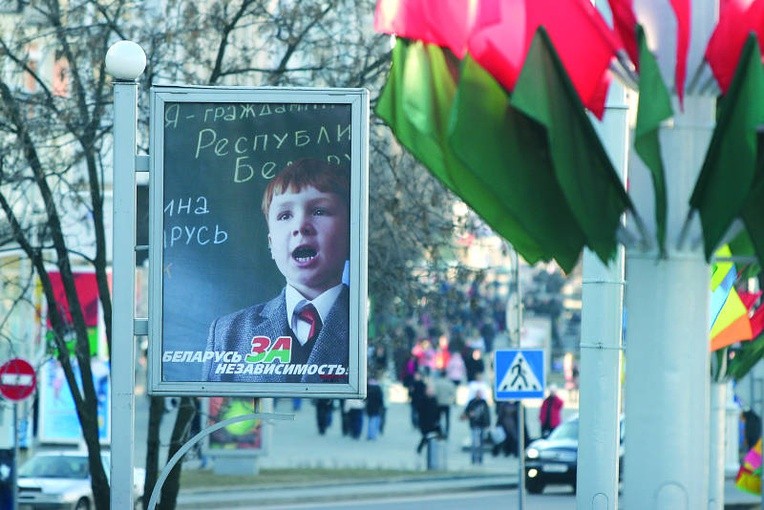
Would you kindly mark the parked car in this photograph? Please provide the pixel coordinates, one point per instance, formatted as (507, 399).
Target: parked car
(554, 460)
(60, 479)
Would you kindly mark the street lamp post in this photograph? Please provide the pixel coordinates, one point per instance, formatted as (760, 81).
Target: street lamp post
(514, 315)
(125, 61)
(601, 324)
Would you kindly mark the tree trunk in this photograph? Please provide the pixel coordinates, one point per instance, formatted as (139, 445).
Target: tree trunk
(186, 411)
(156, 410)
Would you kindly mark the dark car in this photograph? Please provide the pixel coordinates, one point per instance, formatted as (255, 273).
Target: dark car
(554, 460)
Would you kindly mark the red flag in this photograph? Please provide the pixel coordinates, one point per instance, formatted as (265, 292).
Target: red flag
(625, 24)
(682, 12)
(749, 298)
(449, 24)
(584, 42)
(498, 34)
(757, 322)
(737, 18)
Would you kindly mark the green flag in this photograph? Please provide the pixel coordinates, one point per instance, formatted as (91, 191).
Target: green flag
(753, 209)
(509, 153)
(654, 107)
(727, 175)
(416, 103)
(583, 170)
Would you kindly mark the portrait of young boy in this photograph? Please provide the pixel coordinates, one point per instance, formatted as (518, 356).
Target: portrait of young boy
(302, 334)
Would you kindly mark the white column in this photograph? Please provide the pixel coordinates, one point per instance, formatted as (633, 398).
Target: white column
(667, 337)
(667, 383)
(601, 324)
(717, 427)
(668, 376)
(125, 61)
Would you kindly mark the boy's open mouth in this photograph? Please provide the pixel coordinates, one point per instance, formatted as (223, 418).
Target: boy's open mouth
(304, 254)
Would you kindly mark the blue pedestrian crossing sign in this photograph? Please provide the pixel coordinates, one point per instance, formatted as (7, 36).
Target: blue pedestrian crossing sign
(519, 374)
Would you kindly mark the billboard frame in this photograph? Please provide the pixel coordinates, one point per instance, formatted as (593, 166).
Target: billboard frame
(162, 98)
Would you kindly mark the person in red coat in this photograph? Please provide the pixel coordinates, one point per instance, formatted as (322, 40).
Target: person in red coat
(550, 414)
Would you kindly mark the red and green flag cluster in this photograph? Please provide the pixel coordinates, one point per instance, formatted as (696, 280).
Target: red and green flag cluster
(491, 96)
(731, 181)
(529, 162)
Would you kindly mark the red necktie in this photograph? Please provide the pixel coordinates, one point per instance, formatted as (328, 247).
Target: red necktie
(310, 315)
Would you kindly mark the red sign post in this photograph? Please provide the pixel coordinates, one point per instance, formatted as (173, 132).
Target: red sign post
(17, 379)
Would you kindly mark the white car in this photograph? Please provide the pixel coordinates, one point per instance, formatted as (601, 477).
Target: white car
(60, 480)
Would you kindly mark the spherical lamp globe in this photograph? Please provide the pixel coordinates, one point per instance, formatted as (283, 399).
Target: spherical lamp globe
(125, 60)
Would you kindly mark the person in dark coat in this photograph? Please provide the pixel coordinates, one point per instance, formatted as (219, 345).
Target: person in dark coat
(324, 409)
(474, 363)
(507, 418)
(416, 394)
(355, 409)
(429, 417)
(478, 414)
(375, 405)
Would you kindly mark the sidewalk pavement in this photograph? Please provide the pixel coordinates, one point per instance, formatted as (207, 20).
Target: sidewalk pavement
(297, 444)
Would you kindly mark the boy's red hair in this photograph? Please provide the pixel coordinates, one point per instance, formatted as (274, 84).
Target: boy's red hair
(323, 176)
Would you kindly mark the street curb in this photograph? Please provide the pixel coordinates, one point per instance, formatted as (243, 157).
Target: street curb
(234, 497)
(490, 480)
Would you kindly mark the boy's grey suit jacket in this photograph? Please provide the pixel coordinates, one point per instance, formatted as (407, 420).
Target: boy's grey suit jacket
(234, 332)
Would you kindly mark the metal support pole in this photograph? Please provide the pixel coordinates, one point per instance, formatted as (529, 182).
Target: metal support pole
(601, 325)
(123, 267)
(15, 477)
(518, 323)
(761, 413)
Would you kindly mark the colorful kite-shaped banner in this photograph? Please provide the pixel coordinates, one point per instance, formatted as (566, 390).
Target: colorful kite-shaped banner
(749, 475)
(733, 314)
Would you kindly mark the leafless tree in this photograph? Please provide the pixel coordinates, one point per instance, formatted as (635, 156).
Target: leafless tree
(55, 128)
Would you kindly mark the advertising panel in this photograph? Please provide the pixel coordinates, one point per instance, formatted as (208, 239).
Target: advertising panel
(58, 421)
(257, 244)
(240, 438)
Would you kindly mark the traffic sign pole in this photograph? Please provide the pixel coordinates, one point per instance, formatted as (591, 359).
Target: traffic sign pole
(15, 465)
(519, 374)
(17, 382)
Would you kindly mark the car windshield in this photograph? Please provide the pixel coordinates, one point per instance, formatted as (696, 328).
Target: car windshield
(566, 430)
(55, 466)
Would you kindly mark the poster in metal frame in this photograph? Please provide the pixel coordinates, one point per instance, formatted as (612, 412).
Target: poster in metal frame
(223, 268)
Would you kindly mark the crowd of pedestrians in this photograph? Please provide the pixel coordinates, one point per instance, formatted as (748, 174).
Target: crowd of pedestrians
(435, 372)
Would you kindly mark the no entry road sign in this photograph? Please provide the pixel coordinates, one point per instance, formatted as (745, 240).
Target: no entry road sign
(17, 379)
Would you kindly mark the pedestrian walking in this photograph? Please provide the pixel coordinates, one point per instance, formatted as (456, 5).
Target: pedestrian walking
(507, 419)
(455, 369)
(550, 413)
(344, 420)
(324, 409)
(429, 426)
(445, 392)
(474, 363)
(416, 394)
(478, 415)
(478, 384)
(374, 407)
(355, 408)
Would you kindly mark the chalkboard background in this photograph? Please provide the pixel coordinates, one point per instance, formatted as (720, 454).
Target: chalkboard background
(218, 158)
